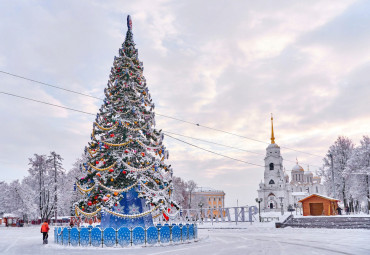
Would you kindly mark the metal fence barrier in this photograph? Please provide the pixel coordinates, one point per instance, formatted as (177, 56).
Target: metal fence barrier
(125, 236)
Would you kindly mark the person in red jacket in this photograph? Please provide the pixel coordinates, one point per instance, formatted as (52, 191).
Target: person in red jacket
(44, 231)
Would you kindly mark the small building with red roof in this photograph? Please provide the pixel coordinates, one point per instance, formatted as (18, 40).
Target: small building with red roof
(317, 205)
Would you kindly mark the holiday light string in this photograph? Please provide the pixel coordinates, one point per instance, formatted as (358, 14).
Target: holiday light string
(102, 169)
(117, 144)
(78, 210)
(131, 216)
(153, 191)
(105, 129)
(84, 190)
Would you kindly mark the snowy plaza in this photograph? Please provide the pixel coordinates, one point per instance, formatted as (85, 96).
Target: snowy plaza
(222, 238)
(261, 105)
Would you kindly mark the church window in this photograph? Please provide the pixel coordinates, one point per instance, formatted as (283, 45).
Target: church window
(317, 189)
(271, 166)
(271, 182)
(301, 189)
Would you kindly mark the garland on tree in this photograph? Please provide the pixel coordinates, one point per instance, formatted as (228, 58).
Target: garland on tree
(126, 151)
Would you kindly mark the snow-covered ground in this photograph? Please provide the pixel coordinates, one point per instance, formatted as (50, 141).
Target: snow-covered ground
(243, 238)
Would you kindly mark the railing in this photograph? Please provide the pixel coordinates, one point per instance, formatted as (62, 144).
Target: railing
(228, 214)
(124, 236)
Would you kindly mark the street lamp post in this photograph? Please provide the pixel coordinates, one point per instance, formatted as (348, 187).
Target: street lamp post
(201, 216)
(281, 205)
(259, 200)
(295, 207)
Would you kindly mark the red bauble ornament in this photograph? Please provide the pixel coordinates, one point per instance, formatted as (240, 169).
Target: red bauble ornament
(124, 172)
(111, 135)
(143, 154)
(97, 162)
(89, 203)
(115, 204)
(111, 170)
(126, 151)
(98, 174)
(166, 217)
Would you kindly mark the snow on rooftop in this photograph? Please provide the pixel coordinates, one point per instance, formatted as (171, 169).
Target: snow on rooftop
(206, 189)
(299, 193)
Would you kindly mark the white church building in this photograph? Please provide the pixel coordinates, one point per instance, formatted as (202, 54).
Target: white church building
(277, 189)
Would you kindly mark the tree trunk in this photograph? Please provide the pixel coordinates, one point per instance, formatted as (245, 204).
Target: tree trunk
(55, 195)
(368, 194)
(40, 170)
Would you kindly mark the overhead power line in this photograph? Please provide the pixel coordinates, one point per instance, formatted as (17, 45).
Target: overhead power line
(231, 147)
(165, 132)
(166, 116)
(49, 85)
(42, 102)
(222, 155)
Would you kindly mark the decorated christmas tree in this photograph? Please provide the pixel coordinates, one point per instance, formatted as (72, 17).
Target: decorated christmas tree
(127, 180)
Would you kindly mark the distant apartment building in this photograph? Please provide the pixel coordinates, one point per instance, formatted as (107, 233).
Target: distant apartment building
(210, 199)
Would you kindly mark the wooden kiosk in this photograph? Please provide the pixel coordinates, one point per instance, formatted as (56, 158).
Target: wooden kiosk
(317, 205)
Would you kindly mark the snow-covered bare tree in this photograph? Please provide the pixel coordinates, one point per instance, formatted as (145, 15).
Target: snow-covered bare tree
(55, 168)
(358, 172)
(340, 152)
(41, 180)
(69, 194)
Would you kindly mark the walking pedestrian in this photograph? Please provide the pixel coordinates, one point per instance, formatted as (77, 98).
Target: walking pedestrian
(45, 231)
(339, 210)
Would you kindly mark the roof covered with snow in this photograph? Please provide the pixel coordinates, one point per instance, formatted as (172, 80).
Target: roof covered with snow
(322, 196)
(297, 168)
(206, 189)
(299, 193)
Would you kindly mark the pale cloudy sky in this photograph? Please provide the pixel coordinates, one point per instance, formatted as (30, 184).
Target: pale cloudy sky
(222, 64)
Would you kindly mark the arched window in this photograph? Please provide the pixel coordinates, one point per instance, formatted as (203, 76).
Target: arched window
(317, 189)
(271, 166)
(271, 182)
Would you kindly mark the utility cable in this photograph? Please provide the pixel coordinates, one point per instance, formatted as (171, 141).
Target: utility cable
(9, 94)
(165, 132)
(42, 102)
(231, 147)
(169, 117)
(222, 155)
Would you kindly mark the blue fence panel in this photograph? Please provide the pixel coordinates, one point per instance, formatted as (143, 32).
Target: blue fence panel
(65, 236)
(55, 235)
(176, 234)
(74, 236)
(96, 237)
(165, 234)
(84, 237)
(124, 236)
(191, 231)
(138, 236)
(184, 232)
(60, 238)
(109, 237)
(152, 235)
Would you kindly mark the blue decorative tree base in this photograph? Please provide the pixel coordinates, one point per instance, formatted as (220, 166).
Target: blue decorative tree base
(129, 205)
